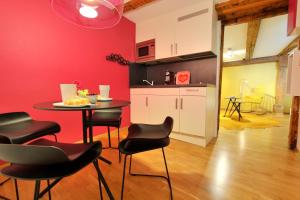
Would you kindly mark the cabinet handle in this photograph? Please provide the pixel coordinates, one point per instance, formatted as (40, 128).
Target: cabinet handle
(146, 101)
(192, 90)
(171, 49)
(181, 103)
(176, 104)
(176, 48)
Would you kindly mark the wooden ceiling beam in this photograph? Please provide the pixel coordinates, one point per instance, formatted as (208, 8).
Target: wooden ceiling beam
(251, 61)
(292, 45)
(239, 6)
(134, 4)
(252, 33)
(241, 11)
(247, 18)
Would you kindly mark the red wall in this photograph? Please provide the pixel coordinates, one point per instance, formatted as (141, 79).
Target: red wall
(292, 14)
(39, 50)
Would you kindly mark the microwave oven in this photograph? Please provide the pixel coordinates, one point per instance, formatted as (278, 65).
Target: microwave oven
(145, 51)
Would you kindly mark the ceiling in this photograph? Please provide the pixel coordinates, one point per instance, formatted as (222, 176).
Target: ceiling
(271, 40)
(157, 7)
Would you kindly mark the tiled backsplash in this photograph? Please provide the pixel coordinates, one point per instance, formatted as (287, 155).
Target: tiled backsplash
(201, 71)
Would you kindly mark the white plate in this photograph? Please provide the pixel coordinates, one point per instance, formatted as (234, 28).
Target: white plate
(99, 98)
(61, 104)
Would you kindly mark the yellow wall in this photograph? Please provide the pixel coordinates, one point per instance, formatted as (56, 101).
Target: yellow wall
(261, 79)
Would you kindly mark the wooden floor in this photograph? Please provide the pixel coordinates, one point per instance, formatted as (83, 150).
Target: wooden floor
(248, 164)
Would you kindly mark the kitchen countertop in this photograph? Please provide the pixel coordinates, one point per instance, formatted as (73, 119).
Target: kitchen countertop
(173, 86)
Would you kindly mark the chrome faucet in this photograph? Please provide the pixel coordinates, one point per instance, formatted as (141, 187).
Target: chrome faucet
(150, 83)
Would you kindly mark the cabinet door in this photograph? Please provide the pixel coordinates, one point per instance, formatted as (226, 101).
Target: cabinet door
(138, 109)
(194, 32)
(192, 115)
(165, 38)
(162, 106)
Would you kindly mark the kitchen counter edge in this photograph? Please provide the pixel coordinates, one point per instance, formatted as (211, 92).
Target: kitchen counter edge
(172, 86)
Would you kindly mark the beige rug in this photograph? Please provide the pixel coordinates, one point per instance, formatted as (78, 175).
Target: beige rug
(251, 120)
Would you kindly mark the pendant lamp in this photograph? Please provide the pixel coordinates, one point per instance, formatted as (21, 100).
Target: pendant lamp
(95, 14)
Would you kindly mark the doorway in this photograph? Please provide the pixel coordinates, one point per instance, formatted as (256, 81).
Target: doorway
(254, 77)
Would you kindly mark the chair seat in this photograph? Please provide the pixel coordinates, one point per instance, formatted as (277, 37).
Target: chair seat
(106, 119)
(24, 131)
(79, 155)
(144, 137)
(129, 147)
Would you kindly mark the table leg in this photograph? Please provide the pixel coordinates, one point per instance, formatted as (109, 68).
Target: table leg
(84, 126)
(90, 125)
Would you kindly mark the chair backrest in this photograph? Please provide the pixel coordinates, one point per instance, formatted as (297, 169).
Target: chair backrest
(13, 117)
(31, 154)
(168, 125)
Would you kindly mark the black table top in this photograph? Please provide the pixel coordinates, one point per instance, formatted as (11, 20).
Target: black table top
(100, 105)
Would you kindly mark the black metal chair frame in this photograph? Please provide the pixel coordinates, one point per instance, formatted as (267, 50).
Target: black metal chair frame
(19, 117)
(167, 178)
(92, 123)
(55, 155)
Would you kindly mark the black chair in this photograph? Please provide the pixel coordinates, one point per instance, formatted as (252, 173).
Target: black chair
(144, 137)
(44, 160)
(109, 118)
(19, 128)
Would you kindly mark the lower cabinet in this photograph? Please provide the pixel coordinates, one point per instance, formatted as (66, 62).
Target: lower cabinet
(193, 111)
(139, 108)
(161, 106)
(192, 115)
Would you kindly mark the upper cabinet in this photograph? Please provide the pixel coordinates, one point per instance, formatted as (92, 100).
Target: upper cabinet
(194, 32)
(188, 30)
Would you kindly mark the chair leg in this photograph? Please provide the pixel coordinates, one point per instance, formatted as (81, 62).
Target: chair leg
(16, 188)
(49, 191)
(101, 179)
(150, 175)
(37, 189)
(118, 144)
(130, 165)
(169, 180)
(55, 137)
(108, 131)
(99, 182)
(123, 179)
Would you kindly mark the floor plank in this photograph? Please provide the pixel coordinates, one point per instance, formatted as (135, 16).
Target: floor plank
(244, 164)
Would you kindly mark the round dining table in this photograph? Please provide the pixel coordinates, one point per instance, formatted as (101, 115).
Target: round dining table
(86, 110)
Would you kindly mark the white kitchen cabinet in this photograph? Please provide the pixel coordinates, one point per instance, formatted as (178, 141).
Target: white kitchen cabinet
(193, 32)
(165, 37)
(139, 107)
(144, 31)
(192, 115)
(192, 108)
(188, 30)
(161, 106)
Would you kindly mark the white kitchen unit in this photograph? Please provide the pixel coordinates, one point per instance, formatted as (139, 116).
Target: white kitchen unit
(192, 108)
(187, 30)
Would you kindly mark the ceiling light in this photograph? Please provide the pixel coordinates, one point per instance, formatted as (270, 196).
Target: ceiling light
(95, 14)
(88, 11)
